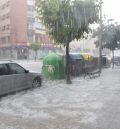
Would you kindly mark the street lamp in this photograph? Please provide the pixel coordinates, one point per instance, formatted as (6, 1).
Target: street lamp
(100, 41)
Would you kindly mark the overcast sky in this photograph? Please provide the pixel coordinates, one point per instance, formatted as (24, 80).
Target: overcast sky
(112, 9)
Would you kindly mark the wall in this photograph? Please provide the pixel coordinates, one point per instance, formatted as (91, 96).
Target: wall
(19, 21)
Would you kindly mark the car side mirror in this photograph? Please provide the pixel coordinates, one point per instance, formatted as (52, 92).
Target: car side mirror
(26, 71)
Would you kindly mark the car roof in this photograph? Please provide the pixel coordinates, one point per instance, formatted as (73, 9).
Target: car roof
(6, 61)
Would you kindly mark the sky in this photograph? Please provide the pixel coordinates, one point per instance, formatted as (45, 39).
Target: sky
(111, 8)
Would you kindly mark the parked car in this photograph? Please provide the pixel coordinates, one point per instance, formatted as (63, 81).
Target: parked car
(14, 77)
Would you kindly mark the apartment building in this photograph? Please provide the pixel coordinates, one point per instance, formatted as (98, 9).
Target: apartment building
(18, 25)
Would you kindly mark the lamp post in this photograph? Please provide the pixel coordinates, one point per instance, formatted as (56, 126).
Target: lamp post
(100, 41)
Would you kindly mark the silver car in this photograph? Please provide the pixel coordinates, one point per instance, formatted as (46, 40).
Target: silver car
(14, 77)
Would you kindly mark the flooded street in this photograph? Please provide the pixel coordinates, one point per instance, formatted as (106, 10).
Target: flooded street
(68, 53)
(86, 104)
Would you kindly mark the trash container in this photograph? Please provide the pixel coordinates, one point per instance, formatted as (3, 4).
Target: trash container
(88, 64)
(86, 56)
(76, 64)
(53, 66)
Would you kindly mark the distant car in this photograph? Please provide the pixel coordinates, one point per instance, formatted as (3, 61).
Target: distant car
(14, 77)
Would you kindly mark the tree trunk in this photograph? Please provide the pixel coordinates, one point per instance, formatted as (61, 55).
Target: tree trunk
(113, 59)
(35, 55)
(68, 80)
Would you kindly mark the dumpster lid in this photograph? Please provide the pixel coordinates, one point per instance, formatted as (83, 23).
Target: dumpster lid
(86, 56)
(75, 56)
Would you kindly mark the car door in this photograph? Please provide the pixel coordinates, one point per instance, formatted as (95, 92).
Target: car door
(20, 76)
(6, 80)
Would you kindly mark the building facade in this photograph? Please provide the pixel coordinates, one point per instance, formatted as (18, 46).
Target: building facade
(18, 24)
(84, 45)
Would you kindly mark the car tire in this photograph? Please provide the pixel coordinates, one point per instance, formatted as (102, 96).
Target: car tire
(36, 82)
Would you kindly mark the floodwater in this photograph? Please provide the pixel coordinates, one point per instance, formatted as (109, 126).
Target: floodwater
(86, 104)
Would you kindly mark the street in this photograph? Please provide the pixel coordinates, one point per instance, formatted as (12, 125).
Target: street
(32, 65)
(85, 104)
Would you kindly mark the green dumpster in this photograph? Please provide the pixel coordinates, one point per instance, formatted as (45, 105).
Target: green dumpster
(53, 66)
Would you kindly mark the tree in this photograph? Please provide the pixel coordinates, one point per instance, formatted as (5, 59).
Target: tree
(35, 47)
(110, 37)
(67, 20)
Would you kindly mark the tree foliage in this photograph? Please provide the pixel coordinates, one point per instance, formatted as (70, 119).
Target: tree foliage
(67, 20)
(35, 46)
(110, 36)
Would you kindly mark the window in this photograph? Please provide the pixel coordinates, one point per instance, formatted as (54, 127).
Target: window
(30, 35)
(2, 17)
(30, 8)
(30, 38)
(3, 70)
(4, 6)
(7, 15)
(8, 4)
(30, 25)
(3, 40)
(30, 14)
(30, 19)
(7, 27)
(16, 69)
(3, 28)
(8, 39)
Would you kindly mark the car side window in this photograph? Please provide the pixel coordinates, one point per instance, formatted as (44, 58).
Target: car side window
(3, 70)
(16, 69)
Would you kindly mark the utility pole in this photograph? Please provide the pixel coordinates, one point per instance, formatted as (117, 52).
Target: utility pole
(100, 41)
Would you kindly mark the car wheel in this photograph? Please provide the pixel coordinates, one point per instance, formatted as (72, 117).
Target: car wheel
(36, 82)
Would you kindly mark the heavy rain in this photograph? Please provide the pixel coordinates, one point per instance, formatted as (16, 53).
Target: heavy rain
(59, 64)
